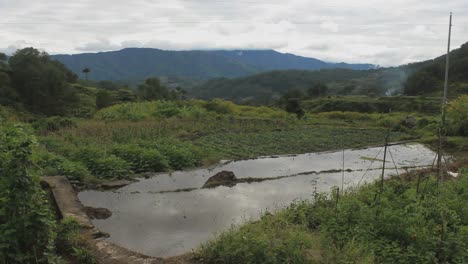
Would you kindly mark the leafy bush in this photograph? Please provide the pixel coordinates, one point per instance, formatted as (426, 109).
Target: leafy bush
(180, 154)
(220, 106)
(53, 164)
(271, 240)
(53, 123)
(458, 115)
(110, 167)
(72, 242)
(101, 164)
(26, 229)
(141, 160)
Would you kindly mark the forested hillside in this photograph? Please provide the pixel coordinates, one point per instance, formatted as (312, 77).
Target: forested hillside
(421, 78)
(140, 63)
(430, 77)
(268, 87)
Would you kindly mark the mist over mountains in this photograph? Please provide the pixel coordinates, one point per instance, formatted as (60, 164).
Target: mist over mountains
(141, 63)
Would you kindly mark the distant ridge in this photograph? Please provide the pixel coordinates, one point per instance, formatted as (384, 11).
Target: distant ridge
(141, 63)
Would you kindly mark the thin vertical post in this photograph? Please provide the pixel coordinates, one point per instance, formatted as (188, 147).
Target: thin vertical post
(343, 171)
(384, 160)
(444, 103)
(447, 60)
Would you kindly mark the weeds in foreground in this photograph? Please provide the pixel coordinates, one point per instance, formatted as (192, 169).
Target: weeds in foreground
(406, 224)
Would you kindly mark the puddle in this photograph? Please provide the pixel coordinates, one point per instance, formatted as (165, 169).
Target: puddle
(154, 217)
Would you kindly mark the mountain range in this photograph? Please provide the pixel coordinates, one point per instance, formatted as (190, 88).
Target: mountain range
(140, 63)
(420, 78)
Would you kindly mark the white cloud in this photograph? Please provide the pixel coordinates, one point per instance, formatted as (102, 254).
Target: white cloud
(373, 31)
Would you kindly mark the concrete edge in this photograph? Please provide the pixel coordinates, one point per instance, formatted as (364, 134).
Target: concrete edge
(104, 251)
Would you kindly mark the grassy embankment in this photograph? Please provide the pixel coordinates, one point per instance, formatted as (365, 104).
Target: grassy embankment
(162, 136)
(413, 220)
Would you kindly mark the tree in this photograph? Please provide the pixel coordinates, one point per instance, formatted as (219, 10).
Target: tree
(8, 95)
(104, 98)
(293, 105)
(26, 221)
(152, 89)
(3, 61)
(41, 84)
(420, 83)
(317, 90)
(86, 71)
(348, 89)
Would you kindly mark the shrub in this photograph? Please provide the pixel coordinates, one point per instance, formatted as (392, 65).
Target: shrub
(180, 154)
(220, 106)
(141, 160)
(53, 164)
(110, 167)
(101, 164)
(52, 124)
(271, 240)
(26, 228)
(72, 242)
(458, 115)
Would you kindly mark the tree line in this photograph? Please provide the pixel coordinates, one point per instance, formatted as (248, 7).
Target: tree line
(31, 80)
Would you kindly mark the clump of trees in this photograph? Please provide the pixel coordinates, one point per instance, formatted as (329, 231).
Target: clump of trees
(40, 84)
(31, 80)
(152, 89)
(291, 100)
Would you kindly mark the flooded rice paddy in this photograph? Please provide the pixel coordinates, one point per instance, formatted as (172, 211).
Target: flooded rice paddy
(169, 214)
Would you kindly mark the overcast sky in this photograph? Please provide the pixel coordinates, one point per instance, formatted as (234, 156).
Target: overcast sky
(384, 32)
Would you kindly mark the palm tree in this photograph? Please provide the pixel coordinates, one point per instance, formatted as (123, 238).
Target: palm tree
(86, 71)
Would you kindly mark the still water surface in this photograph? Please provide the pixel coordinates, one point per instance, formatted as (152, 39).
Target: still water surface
(150, 217)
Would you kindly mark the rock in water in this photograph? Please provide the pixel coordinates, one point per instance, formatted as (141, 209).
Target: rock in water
(97, 213)
(224, 178)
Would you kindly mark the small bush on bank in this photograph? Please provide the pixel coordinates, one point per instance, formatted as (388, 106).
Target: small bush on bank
(271, 240)
(71, 242)
(101, 164)
(111, 167)
(179, 154)
(141, 159)
(53, 164)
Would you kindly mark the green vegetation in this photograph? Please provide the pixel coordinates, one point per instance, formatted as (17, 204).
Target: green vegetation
(458, 115)
(414, 220)
(26, 222)
(267, 88)
(366, 104)
(170, 135)
(430, 77)
(94, 132)
(72, 242)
